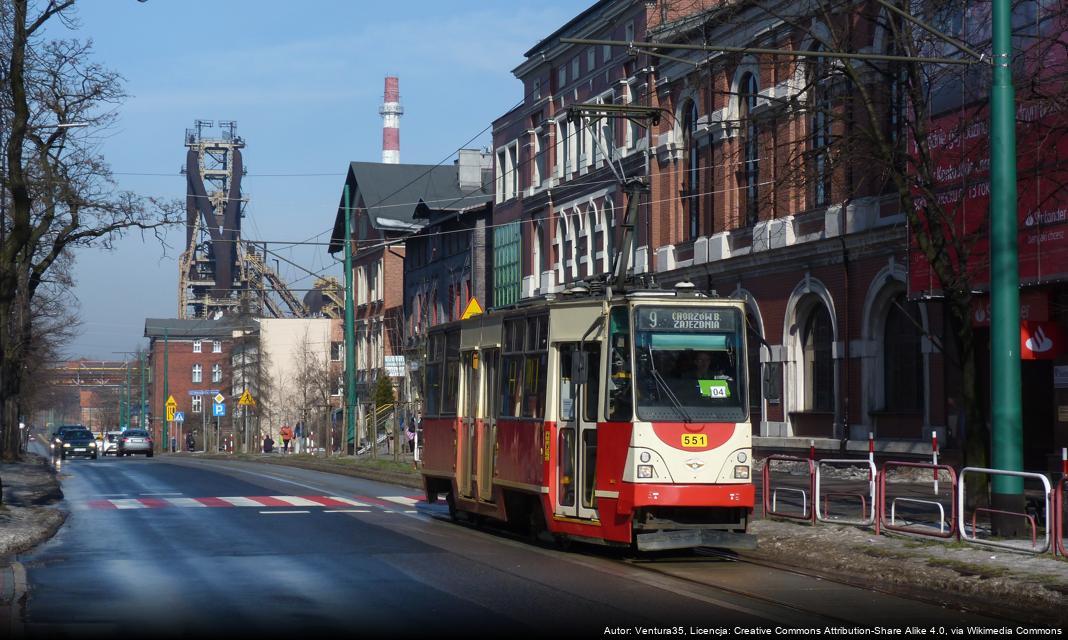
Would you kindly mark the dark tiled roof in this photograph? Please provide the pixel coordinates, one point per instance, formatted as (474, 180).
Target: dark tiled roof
(393, 192)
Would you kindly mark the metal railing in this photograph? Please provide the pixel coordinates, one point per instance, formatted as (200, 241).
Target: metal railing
(771, 494)
(867, 516)
(893, 526)
(974, 538)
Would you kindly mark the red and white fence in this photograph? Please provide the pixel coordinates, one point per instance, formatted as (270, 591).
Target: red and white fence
(901, 506)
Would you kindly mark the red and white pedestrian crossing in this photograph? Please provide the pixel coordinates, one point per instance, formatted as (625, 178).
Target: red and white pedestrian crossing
(258, 502)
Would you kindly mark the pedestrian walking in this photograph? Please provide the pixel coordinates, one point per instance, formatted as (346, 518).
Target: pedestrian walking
(190, 443)
(287, 434)
(410, 432)
(268, 444)
(298, 435)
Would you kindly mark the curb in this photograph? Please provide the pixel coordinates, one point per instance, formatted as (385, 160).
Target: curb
(12, 591)
(414, 481)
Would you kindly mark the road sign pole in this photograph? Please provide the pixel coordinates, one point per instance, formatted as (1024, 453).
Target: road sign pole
(166, 390)
(350, 339)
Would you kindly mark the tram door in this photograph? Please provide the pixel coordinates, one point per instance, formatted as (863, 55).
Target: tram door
(469, 424)
(488, 442)
(576, 473)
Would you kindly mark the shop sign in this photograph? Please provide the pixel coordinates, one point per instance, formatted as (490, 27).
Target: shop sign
(1040, 341)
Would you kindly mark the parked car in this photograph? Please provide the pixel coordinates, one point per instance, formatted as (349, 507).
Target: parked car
(110, 443)
(78, 442)
(60, 434)
(134, 441)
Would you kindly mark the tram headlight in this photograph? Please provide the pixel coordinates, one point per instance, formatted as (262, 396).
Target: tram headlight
(741, 472)
(645, 470)
(742, 457)
(644, 456)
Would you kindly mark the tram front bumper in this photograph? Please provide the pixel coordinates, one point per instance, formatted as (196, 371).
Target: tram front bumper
(691, 538)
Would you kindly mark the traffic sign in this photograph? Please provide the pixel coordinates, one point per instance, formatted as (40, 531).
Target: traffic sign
(246, 400)
(219, 398)
(473, 309)
(171, 406)
(218, 409)
(170, 413)
(179, 416)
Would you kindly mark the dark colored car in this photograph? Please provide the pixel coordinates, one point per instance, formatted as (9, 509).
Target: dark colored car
(135, 441)
(78, 442)
(60, 434)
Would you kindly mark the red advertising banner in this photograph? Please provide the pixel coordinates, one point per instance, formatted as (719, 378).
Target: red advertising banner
(959, 149)
(1040, 340)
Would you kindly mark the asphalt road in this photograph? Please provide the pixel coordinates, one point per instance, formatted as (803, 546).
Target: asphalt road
(183, 547)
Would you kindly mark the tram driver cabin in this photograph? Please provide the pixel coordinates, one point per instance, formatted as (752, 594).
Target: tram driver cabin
(615, 419)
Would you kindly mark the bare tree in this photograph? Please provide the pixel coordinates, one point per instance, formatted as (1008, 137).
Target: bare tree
(62, 196)
(313, 385)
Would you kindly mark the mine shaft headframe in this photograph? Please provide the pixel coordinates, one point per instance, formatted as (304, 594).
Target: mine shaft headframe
(637, 114)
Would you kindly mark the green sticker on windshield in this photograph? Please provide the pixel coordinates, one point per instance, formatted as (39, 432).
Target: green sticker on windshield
(714, 388)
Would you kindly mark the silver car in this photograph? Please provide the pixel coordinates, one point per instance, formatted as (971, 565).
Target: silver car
(134, 441)
(110, 444)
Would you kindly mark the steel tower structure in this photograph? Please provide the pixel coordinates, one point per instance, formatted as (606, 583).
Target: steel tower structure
(211, 273)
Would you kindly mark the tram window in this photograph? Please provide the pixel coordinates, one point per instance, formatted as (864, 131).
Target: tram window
(534, 371)
(435, 355)
(620, 406)
(593, 379)
(450, 385)
(510, 386)
(567, 402)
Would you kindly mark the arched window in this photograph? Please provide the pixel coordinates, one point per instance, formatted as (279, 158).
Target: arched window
(902, 358)
(820, 133)
(573, 231)
(536, 254)
(747, 98)
(561, 250)
(691, 197)
(606, 219)
(591, 230)
(819, 364)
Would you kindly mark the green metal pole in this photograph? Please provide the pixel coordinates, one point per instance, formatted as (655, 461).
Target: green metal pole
(350, 338)
(127, 420)
(1007, 430)
(142, 421)
(166, 390)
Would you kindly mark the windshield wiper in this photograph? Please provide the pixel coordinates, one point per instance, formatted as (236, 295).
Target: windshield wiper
(665, 387)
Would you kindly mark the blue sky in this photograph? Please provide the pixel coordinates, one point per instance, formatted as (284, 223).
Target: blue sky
(303, 81)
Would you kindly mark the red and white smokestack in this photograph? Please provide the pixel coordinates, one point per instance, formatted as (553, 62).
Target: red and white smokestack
(391, 111)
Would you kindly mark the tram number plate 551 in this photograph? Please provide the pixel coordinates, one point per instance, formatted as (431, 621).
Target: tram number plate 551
(694, 440)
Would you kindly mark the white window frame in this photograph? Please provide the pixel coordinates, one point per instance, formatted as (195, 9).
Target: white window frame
(500, 156)
(606, 53)
(591, 59)
(198, 373)
(513, 164)
(340, 388)
(216, 372)
(197, 345)
(576, 68)
(198, 404)
(216, 346)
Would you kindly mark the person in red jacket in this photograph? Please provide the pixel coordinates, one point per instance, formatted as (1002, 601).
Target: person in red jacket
(287, 435)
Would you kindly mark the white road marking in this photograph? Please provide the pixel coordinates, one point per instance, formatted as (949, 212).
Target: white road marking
(354, 503)
(130, 503)
(238, 501)
(171, 493)
(274, 512)
(406, 501)
(346, 511)
(186, 502)
(410, 511)
(297, 502)
(111, 495)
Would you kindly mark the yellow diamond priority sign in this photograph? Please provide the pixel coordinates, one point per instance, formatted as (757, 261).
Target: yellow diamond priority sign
(246, 400)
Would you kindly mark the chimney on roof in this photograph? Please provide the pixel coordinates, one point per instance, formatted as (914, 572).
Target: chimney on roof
(474, 169)
(391, 111)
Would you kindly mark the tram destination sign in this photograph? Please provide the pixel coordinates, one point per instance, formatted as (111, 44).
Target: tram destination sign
(685, 319)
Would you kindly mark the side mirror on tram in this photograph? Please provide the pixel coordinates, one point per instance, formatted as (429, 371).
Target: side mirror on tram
(579, 367)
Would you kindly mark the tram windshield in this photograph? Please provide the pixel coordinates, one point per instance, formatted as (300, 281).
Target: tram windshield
(690, 364)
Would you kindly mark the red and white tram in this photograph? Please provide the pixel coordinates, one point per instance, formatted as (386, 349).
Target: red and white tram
(620, 420)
